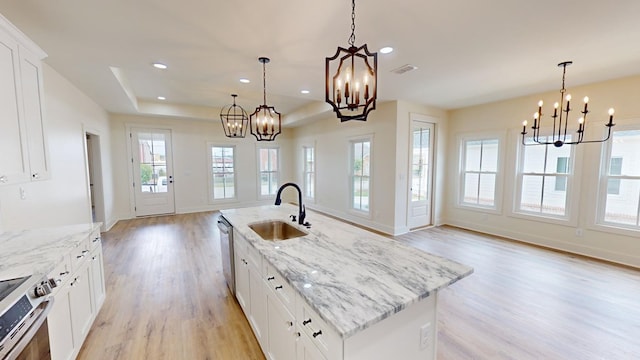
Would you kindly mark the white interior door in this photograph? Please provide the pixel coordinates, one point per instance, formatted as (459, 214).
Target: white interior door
(152, 171)
(420, 179)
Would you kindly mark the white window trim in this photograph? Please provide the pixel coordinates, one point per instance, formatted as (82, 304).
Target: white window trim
(259, 194)
(212, 200)
(351, 140)
(315, 167)
(573, 183)
(499, 191)
(599, 223)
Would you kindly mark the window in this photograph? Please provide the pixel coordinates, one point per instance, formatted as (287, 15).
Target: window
(621, 181)
(544, 177)
(269, 170)
(360, 174)
(309, 169)
(479, 165)
(223, 172)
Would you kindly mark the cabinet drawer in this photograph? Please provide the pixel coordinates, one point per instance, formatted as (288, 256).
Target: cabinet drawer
(318, 331)
(279, 286)
(95, 240)
(60, 274)
(79, 255)
(255, 259)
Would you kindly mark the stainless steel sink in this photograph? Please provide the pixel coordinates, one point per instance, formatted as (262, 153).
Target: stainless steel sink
(276, 230)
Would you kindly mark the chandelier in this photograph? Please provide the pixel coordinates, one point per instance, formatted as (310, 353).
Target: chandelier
(234, 120)
(560, 118)
(351, 77)
(262, 122)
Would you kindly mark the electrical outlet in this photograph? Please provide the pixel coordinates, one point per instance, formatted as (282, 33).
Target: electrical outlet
(23, 194)
(425, 332)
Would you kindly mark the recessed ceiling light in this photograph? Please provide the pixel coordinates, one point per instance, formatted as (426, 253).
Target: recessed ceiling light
(159, 66)
(161, 98)
(245, 81)
(304, 91)
(386, 50)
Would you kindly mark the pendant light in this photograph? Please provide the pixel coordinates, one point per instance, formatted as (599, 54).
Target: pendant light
(560, 118)
(265, 122)
(234, 120)
(351, 78)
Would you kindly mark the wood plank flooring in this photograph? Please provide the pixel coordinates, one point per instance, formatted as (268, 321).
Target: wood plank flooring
(167, 299)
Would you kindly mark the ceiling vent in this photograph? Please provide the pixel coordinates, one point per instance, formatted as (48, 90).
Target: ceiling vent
(403, 69)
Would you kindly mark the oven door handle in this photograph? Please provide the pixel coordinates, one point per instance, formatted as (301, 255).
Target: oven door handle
(33, 329)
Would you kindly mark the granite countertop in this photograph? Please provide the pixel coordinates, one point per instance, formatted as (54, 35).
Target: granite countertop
(39, 251)
(351, 277)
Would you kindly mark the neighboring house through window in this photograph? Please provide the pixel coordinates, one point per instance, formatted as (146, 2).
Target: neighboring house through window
(269, 170)
(620, 187)
(223, 179)
(479, 167)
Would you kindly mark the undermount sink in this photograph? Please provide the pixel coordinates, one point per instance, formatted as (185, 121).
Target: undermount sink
(276, 230)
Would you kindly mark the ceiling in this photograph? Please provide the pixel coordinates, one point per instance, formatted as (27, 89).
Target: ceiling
(467, 52)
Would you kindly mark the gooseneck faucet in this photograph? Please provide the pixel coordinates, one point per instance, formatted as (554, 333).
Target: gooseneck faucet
(301, 209)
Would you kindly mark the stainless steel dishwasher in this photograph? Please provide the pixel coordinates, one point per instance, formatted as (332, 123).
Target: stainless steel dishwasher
(226, 248)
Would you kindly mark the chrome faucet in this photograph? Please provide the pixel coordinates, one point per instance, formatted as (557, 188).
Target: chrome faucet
(301, 209)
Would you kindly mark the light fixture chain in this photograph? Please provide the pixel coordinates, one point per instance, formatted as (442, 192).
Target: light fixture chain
(352, 38)
(264, 83)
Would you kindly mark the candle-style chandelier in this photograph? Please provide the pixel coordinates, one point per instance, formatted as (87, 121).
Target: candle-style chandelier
(560, 117)
(234, 120)
(351, 78)
(263, 123)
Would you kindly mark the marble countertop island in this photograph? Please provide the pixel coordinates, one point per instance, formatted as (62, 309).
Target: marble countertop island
(351, 277)
(38, 251)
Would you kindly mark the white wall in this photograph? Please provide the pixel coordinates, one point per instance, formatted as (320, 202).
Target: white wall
(190, 163)
(64, 198)
(389, 125)
(506, 117)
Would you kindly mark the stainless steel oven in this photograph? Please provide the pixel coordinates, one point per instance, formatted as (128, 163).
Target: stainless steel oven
(226, 247)
(24, 305)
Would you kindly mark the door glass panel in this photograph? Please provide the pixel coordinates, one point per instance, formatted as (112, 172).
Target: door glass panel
(420, 164)
(153, 162)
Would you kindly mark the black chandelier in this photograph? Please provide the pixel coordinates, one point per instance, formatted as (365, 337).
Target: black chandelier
(263, 124)
(234, 120)
(350, 79)
(561, 121)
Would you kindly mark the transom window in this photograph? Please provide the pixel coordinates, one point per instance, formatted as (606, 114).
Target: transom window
(479, 166)
(621, 180)
(269, 169)
(544, 176)
(223, 172)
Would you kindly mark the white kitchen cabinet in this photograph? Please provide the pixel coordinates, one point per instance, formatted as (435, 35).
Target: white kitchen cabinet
(78, 297)
(306, 350)
(96, 266)
(22, 137)
(249, 288)
(13, 142)
(61, 339)
(281, 329)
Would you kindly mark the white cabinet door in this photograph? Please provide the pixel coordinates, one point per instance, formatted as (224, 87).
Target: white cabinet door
(61, 338)
(242, 280)
(306, 350)
(14, 167)
(32, 95)
(97, 277)
(282, 341)
(258, 316)
(80, 300)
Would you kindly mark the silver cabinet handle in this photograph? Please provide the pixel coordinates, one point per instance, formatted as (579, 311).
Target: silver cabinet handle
(35, 175)
(3, 179)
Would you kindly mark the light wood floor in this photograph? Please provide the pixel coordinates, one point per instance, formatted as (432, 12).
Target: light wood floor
(167, 299)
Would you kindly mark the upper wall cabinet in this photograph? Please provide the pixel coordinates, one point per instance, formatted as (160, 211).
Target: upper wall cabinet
(23, 148)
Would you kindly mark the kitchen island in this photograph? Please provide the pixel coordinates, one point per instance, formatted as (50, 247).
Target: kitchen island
(339, 289)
